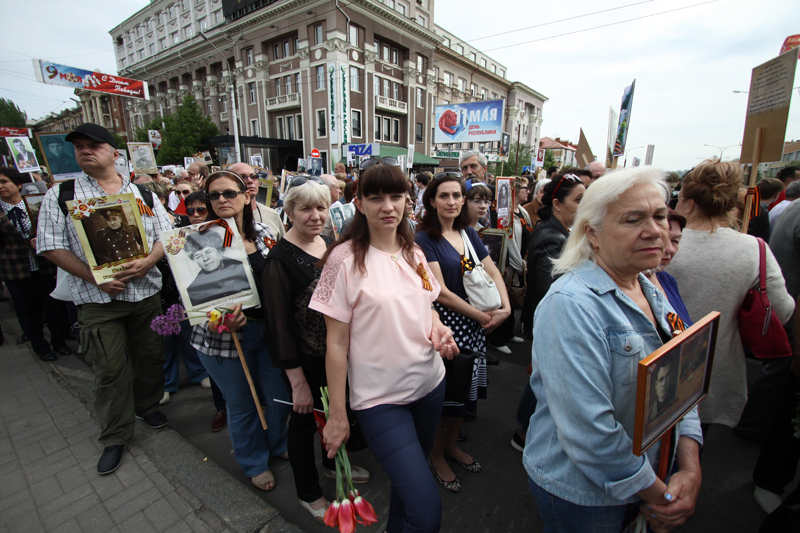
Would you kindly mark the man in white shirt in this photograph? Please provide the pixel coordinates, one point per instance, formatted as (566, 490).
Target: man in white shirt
(792, 194)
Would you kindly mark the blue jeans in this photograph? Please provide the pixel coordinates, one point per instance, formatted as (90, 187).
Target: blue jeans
(251, 444)
(401, 437)
(561, 516)
(526, 407)
(180, 344)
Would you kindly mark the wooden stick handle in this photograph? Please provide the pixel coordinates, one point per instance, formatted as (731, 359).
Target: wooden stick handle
(249, 380)
(753, 177)
(663, 458)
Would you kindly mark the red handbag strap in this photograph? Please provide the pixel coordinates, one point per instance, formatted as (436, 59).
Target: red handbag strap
(762, 265)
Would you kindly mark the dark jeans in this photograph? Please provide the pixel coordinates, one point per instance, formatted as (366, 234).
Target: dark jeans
(777, 462)
(526, 407)
(32, 296)
(401, 437)
(302, 429)
(175, 347)
(216, 394)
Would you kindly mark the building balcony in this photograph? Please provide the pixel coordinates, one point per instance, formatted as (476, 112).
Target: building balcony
(391, 105)
(223, 116)
(283, 102)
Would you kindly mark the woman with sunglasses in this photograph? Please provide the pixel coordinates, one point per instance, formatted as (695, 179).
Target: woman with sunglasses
(440, 237)
(376, 292)
(228, 198)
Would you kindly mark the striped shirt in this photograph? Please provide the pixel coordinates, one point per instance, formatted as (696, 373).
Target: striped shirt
(56, 231)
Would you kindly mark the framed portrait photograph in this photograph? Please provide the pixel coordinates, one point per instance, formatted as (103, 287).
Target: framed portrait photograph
(495, 241)
(672, 380)
(121, 163)
(111, 232)
(32, 203)
(143, 158)
(33, 187)
(505, 203)
(338, 217)
(59, 155)
(22, 154)
(210, 267)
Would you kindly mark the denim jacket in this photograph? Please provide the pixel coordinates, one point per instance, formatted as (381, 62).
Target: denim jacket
(588, 340)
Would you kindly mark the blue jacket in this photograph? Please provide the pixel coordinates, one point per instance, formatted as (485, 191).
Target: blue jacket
(588, 340)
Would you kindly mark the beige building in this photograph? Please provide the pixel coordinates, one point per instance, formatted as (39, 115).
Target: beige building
(563, 151)
(311, 74)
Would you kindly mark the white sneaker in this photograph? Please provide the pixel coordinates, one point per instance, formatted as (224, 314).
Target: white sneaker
(516, 340)
(502, 349)
(768, 501)
(165, 399)
(206, 383)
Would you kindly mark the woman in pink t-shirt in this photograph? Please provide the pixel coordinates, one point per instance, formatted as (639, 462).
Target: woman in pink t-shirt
(376, 292)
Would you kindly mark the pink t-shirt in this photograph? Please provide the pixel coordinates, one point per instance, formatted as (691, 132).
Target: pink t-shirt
(391, 360)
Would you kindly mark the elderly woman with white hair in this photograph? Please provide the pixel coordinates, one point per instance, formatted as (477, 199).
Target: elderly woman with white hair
(297, 334)
(597, 321)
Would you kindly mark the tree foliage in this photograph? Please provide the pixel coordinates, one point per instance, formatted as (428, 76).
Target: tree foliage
(514, 167)
(183, 133)
(11, 116)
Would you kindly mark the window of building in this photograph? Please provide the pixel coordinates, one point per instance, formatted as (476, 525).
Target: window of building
(377, 128)
(188, 32)
(160, 18)
(419, 132)
(422, 20)
(296, 44)
(420, 63)
(353, 35)
(175, 38)
(320, 77)
(202, 24)
(248, 57)
(387, 129)
(462, 84)
(395, 57)
(377, 47)
(322, 127)
(131, 59)
(419, 98)
(386, 52)
(162, 43)
(152, 49)
(355, 79)
(401, 9)
(448, 79)
(254, 127)
(395, 130)
(279, 127)
(386, 88)
(290, 127)
(218, 16)
(483, 94)
(297, 82)
(355, 120)
(141, 54)
(494, 69)
(173, 11)
(473, 90)
(318, 34)
(286, 50)
(299, 126)
(185, 5)
(389, 3)
(483, 62)
(276, 51)
(288, 82)
(376, 85)
(223, 104)
(396, 91)
(473, 57)
(208, 105)
(251, 88)
(277, 87)
(502, 73)
(122, 62)
(446, 42)
(460, 49)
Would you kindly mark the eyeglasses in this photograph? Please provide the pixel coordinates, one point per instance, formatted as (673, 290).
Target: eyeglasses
(253, 177)
(389, 161)
(451, 174)
(571, 177)
(199, 210)
(296, 181)
(478, 201)
(184, 193)
(230, 195)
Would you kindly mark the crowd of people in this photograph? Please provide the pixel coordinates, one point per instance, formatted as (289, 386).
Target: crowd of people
(380, 314)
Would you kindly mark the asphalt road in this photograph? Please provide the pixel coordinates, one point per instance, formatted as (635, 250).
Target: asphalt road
(497, 499)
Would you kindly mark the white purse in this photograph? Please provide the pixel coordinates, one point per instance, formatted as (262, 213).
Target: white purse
(480, 287)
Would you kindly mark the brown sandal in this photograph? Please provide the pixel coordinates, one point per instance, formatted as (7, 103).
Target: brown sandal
(263, 480)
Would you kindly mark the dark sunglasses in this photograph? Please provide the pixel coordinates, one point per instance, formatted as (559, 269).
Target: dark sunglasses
(230, 195)
(570, 177)
(199, 210)
(451, 174)
(184, 193)
(296, 181)
(389, 161)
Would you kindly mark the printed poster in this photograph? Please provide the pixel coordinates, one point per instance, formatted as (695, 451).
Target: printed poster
(143, 158)
(22, 154)
(470, 122)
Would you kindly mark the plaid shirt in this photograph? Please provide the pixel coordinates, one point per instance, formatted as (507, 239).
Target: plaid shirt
(57, 232)
(23, 230)
(221, 344)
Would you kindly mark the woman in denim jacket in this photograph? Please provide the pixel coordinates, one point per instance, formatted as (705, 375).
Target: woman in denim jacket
(597, 321)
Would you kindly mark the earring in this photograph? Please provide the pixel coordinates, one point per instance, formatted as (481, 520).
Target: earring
(596, 248)
(558, 211)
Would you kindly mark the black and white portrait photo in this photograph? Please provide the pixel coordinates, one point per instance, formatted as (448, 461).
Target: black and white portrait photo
(218, 276)
(664, 389)
(35, 187)
(58, 154)
(316, 166)
(143, 158)
(112, 237)
(22, 154)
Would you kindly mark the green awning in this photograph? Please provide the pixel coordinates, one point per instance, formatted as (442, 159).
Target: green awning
(388, 150)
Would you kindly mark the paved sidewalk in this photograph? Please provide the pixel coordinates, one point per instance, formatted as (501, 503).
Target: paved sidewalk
(48, 458)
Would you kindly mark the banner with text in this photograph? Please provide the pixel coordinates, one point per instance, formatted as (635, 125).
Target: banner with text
(55, 74)
(470, 122)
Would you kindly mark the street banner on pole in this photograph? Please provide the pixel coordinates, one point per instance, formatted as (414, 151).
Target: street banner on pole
(624, 120)
(55, 74)
(768, 108)
(648, 158)
(470, 122)
(584, 153)
(612, 128)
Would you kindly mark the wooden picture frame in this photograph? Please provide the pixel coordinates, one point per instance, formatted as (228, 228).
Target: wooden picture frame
(672, 380)
(496, 242)
(32, 204)
(59, 157)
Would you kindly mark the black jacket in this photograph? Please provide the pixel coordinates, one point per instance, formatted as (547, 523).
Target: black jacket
(547, 241)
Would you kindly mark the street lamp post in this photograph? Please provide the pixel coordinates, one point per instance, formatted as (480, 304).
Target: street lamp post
(233, 101)
(721, 148)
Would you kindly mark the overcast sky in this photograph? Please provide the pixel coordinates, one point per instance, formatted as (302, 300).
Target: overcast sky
(686, 63)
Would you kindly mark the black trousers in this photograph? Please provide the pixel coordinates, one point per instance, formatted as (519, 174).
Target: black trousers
(780, 453)
(31, 297)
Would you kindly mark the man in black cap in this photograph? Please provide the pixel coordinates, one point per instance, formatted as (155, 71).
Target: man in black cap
(219, 276)
(115, 316)
(116, 241)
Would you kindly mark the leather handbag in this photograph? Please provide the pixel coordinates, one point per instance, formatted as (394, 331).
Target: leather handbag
(516, 295)
(759, 327)
(479, 286)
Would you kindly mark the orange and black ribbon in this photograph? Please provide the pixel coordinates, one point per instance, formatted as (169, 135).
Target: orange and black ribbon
(270, 242)
(467, 264)
(423, 273)
(228, 238)
(675, 322)
(755, 208)
(144, 209)
(524, 222)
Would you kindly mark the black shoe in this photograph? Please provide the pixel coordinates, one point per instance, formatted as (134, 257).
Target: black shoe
(154, 420)
(48, 357)
(110, 460)
(462, 435)
(64, 350)
(491, 360)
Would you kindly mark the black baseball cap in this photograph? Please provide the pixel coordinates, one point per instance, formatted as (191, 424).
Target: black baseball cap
(93, 131)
